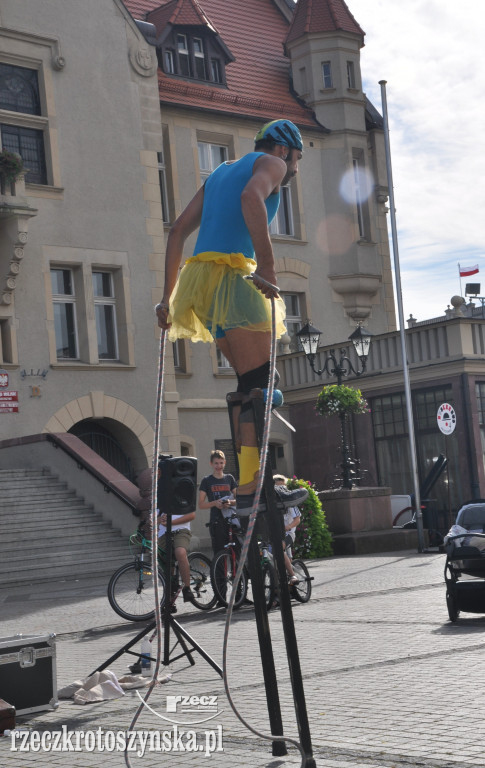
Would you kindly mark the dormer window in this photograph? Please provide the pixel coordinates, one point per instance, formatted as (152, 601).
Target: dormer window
(198, 57)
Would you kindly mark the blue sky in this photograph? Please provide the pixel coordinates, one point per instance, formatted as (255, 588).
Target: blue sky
(431, 54)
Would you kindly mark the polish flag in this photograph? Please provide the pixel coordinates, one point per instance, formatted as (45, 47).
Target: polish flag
(467, 271)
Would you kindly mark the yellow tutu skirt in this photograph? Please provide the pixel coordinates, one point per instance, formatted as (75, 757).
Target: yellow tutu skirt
(211, 294)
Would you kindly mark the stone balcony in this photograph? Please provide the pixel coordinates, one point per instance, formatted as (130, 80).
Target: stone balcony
(457, 344)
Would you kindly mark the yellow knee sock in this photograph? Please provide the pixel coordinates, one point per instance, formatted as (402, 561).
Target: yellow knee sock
(248, 463)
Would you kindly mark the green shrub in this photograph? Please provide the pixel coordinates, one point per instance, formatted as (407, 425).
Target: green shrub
(313, 538)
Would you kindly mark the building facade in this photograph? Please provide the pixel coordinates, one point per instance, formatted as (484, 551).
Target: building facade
(81, 234)
(120, 111)
(217, 87)
(446, 359)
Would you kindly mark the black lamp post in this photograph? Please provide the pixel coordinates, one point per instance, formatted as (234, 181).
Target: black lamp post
(360, 338)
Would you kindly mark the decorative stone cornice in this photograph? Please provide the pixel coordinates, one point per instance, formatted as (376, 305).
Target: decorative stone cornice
(57, 59)
(357, 291)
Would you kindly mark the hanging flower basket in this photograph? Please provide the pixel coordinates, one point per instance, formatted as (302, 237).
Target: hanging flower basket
(336, 399)
(11, 166)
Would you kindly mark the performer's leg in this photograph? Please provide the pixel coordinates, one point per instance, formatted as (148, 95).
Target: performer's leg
(247, 349)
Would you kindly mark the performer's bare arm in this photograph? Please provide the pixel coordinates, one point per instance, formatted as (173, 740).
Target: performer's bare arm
(269, 172)
(187, 222)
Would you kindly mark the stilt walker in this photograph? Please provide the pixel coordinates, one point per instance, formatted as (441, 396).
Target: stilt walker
(213, 299)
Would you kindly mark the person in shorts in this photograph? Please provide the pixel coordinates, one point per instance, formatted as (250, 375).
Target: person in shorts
(181, 536)
(292, 520)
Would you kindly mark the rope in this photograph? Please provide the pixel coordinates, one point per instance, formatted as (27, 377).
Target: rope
(153, 520)
(247, 540)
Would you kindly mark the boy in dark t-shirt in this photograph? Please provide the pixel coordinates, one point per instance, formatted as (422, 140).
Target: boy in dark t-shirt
(213, 492)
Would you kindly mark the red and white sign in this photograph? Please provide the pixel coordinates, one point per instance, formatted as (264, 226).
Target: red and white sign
(467, 271)
(3, 378)
(446, 418)
(9, 402)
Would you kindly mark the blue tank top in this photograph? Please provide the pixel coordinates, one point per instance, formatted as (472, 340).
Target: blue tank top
(222, 227)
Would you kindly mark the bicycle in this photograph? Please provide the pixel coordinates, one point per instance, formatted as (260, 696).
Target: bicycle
(224, 566)
(301, 591)
(131, 591)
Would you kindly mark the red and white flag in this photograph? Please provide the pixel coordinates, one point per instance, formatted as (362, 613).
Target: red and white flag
(467, 271)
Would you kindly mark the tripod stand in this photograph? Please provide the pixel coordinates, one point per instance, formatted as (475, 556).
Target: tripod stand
(183, 638)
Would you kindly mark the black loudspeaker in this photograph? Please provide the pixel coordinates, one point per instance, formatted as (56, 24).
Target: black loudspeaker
(177, 485)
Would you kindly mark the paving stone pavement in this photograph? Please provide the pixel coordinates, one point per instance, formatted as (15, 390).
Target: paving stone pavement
(389, 681)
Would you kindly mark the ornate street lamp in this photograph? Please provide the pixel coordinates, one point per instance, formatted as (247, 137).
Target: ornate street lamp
(309, 336)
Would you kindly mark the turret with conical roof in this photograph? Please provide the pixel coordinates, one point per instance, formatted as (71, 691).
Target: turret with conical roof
(323, 43)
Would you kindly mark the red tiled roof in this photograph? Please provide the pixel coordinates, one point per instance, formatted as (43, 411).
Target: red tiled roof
(313, 16)
(258, 83)
(187, 12)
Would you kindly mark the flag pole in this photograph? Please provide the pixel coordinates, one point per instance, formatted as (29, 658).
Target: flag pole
(459, 274)
(397, 275)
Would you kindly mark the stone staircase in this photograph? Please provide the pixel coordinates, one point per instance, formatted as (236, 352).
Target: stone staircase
(49, 534)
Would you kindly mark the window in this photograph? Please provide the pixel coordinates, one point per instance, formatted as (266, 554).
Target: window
(105, 313)
(361, 195)
(162, 175)
(327, 74)
(303, 80)
(216, 71)
(64, 300)
(29, 144)
(19, 90)
(19, 93)
(6, 343)
(210, 157)
(183, 56)
(199, 59)
(350, 74)
(293, 317)
(222, 362)
(169, 62)
(282, 223)
(389, 418)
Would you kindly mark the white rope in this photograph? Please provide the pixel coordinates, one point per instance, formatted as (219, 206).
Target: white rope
(153, 520)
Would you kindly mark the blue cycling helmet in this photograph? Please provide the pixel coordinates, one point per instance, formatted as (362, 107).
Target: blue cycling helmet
(281, 132)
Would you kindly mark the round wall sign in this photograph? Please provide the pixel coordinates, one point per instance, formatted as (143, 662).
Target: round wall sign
(446, 418)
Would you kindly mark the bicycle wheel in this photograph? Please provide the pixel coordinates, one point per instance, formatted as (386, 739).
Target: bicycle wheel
(131, 593)
(200, 581)
(223, 571)
(303, 590)
(269, 581)
(405, 516)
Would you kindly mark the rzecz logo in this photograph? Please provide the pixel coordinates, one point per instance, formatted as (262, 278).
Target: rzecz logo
(187, 710)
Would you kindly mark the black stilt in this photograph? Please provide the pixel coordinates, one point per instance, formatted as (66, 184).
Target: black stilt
(273, 520)
(274, 523)
(262, 622)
